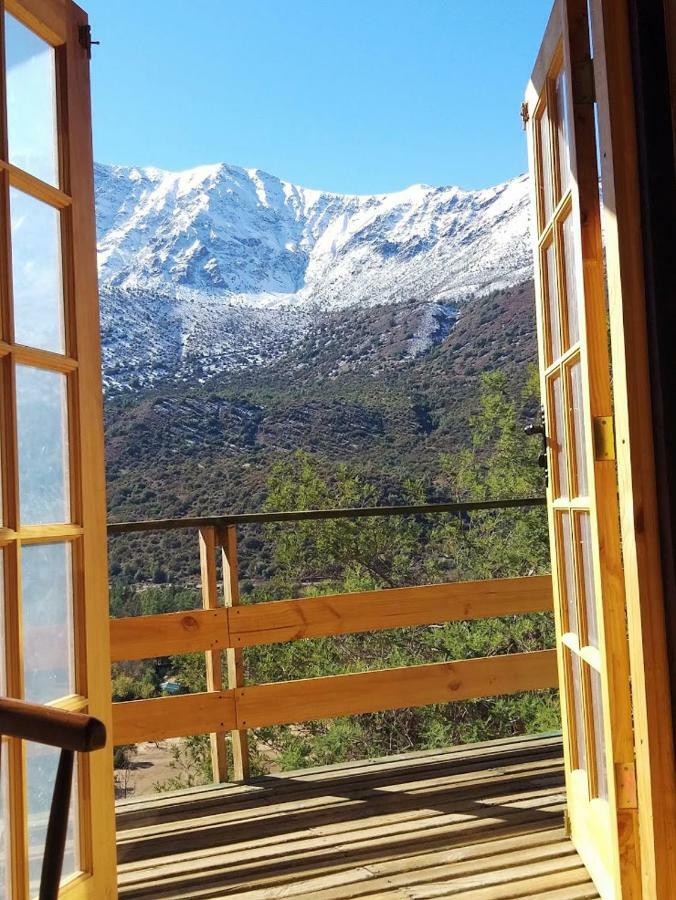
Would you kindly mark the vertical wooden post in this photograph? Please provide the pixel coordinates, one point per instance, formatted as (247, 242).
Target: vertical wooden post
(235, 655)
(219, 759)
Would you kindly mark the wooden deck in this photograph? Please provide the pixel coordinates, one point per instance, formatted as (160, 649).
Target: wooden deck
(482, 822)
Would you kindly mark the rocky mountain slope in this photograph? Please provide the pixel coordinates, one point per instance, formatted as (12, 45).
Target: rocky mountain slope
(220, 268)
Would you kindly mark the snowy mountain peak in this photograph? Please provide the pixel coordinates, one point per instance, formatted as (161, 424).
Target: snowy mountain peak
(220, 251)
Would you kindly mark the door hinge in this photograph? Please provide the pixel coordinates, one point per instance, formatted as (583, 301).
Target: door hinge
(583, 84)
(625, 780)
(566, 823)
(85, 38)
(604, 438)
(525, 115)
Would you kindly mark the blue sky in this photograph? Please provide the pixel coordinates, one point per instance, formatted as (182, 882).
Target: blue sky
(358, 96)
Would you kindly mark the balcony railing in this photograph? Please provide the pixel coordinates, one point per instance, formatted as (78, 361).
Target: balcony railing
(223, 628)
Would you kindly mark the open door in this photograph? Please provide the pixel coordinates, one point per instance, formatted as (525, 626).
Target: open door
(582, 485)
(54, 622)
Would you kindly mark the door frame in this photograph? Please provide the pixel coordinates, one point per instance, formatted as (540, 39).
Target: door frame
(60, 23)
(615, 81)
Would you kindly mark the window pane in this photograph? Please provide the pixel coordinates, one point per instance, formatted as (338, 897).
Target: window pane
(554, 323)
(42, 416)
(546, 168)
(47, 609)
(567, 587)
(577, 717)
(31, 102)
(36, 273)
(558, 439)
(599, 735)
(41, 766)
(568, 249)
(577, 422)
(584, 538)
(562, 132)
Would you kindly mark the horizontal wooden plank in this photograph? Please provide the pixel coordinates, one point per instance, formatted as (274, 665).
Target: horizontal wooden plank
(167, 717)
(144, 637)
(309, 699)
(289, 620)
(273, 622)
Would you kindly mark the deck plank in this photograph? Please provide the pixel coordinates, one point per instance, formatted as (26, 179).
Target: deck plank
(482, 821)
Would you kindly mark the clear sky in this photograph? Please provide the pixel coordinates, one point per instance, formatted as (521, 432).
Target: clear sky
(358, 96)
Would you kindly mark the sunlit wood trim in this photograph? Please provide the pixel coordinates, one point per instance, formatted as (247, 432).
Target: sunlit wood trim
(47, 18)
(564, 360)
(35, 187)
(588, 653)
(571, 503)
(49, 534)
(71, 703)
(43, 359)
(560, 213)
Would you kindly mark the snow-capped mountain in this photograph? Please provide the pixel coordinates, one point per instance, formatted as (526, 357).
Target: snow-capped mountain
(222, 267)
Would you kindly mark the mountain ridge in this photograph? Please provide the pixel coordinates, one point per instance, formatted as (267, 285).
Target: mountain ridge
(239, 265)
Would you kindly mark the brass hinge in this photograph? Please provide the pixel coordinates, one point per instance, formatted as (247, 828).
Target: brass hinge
(525, 115)
(604, 438)
(566, 823)
(625, 780)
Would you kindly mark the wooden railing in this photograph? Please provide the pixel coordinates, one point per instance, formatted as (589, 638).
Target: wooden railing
(226, 626)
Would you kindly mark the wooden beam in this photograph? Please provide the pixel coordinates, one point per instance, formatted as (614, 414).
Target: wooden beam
(638, 487)
(277, 621)
(339, 695)
(235, 657)
(214, 667)
(309, 699)
(166, 634)
(167, 717)
(288, 620)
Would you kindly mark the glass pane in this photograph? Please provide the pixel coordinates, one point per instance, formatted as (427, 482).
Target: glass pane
(546, 168)
(599, 735)
(47, 608)
(36, 273)
(42, 417)
(577, 717)
(558, 439)
(584, 538)
(562, 132)
(554, 323)
(31, 102)
(567, 566)
(4, 823)
(41, 766)
(569, 256)
(577, 425)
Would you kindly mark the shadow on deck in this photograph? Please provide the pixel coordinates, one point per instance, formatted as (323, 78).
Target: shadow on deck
(482, 822)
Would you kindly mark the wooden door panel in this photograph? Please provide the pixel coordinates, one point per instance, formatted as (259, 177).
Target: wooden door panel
(582, 492)
(52, 539)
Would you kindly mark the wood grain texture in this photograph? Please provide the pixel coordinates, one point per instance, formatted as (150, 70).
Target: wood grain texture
(455, 822)
(145, 637)
(213, 658)
(286, 620)
(655, 766)
(309, 699)
(166, 717)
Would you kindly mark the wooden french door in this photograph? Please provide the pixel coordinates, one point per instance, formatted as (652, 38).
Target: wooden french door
(582, 490)
(54, 622)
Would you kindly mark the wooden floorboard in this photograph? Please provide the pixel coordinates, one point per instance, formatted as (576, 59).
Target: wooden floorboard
(480, 822)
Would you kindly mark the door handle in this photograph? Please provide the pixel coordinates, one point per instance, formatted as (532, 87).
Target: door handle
(539, 428)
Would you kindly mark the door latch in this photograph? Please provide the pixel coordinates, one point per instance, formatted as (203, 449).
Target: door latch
(539, 428)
